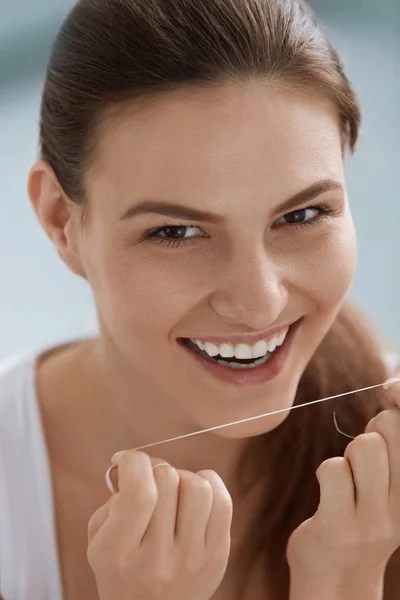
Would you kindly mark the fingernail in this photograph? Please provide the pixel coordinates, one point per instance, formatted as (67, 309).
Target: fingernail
(109, 483)
(390, 382)
(163, 464)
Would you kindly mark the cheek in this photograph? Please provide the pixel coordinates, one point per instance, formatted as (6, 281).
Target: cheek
(337, 267)
(327, 264)
(140, 289)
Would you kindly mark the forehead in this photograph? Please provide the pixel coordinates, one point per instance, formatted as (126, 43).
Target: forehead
(221, 141)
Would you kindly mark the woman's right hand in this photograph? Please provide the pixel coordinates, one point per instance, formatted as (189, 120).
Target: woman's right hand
(165, 534)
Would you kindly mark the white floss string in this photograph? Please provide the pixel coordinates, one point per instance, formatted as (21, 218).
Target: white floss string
(385, 386)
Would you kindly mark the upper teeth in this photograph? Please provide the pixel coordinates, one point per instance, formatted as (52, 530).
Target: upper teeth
(243, 351)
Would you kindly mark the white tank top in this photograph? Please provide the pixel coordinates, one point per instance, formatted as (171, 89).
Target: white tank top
(29, 566)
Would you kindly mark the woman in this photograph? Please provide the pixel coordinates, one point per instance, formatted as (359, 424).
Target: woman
(192, 172)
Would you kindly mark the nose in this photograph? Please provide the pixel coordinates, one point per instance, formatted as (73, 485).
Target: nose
(251, 293)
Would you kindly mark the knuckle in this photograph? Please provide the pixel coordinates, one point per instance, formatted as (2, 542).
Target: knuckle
(195, 482)
(216, 483)
(384, 422)
(148, 494)
(209, 474)
(202, 486)
(164, 570)
(212, 478)
(220, 554)
(144, 496)
(194, 561)
(169, 474)
(364, 442)
(379, 532)
(329, 465)
(225, 499)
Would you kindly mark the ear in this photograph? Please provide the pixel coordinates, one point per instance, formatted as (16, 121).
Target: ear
(60, 218)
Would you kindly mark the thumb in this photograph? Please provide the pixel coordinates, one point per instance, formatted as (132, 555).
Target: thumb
(392, 392)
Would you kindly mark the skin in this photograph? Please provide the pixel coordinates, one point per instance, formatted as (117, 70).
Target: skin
(247, 275)
(239, 152)
(344, 549)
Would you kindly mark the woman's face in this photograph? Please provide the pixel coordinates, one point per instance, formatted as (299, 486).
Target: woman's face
(220, 216)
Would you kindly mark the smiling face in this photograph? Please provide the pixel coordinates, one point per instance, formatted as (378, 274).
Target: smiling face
(219, 216)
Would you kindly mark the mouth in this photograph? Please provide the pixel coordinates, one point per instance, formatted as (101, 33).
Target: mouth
(243, 364)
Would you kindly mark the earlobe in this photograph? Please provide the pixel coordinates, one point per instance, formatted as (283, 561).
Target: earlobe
(56, 213)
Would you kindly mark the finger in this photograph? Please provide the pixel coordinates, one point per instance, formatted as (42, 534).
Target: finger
(220, 520)
(163, 522)
(392, 392)
(112, 472)
(369, 462)
(337, 494)
(97, 520)
(194, 508)
(387, 425)
(112, 475)
(137, 495)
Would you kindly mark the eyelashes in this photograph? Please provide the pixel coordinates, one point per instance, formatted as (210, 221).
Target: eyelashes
(161, 234)
(173, 236)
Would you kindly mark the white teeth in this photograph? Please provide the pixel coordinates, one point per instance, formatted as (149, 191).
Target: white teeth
(243, 351)
(226, 351)
(200, 344)
(211, 349)
(282, 338)
(260, 349)
(256, 363)
(272, 344)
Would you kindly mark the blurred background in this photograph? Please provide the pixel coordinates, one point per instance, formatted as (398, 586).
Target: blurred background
(41, 302)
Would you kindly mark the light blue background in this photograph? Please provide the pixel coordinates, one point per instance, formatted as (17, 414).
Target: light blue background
(41, 302)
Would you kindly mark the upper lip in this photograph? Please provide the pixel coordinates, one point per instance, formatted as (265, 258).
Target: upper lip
(244, 338)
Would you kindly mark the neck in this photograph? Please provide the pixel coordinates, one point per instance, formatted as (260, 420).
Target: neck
(116, 410)
(139, 415)
(92, 407)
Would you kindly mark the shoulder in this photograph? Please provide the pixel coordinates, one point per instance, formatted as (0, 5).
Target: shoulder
(17, 394)
(17, 404)
(13, 376)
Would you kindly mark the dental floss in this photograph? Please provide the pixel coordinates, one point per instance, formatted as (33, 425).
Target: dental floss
(339, 430)
(390, 382)
(385, 386)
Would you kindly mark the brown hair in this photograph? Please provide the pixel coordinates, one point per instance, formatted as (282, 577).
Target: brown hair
(112, 52)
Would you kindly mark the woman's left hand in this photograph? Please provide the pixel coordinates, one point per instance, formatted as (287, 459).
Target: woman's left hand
(356, 528)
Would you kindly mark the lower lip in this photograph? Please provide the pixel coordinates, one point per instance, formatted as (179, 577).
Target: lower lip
(256, 376)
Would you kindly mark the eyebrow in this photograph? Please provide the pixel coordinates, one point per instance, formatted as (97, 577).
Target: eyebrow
(179, 211)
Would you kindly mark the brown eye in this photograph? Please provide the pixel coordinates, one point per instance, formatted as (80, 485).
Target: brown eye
(174, 235)
(177, 233)
(301, 216)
